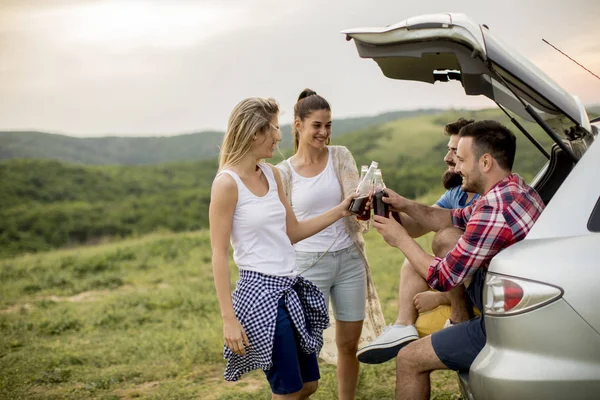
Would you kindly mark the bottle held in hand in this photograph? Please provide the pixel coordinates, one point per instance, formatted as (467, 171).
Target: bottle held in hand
(358, 205)
(365, 215)
(379, 207)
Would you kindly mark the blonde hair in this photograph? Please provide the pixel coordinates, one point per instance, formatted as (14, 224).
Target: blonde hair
(249, 117)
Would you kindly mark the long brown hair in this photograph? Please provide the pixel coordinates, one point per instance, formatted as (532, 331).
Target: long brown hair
(308, 101)
(249, 117)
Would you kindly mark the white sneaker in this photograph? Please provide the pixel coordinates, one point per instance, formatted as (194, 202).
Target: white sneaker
(387, 345)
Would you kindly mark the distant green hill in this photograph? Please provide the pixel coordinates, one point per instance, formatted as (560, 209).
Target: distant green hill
(109, 150)
(46, 204)
(150, 150)
(410, 151)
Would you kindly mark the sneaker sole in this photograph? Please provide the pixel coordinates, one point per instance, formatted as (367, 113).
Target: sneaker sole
(377, 354)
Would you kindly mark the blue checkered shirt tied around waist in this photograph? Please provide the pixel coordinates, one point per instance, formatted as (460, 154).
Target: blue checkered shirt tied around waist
(255, 301)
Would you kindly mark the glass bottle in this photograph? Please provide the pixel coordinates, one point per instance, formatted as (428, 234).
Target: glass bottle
(364, 190)
(366, 214)
(379, 207)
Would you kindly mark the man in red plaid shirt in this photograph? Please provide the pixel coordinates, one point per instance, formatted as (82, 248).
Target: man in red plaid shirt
(465, 242)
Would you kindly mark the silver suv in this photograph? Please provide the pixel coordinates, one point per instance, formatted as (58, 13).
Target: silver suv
(541, 294)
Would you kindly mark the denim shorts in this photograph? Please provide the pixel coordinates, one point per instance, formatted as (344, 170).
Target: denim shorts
(341, 276)
(291, 366)
(458, 345)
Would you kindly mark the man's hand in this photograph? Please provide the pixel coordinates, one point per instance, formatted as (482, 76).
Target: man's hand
(397, 202)
(392, 231)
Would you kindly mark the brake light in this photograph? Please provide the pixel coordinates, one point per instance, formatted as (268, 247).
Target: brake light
(507, 295)
(513, 294)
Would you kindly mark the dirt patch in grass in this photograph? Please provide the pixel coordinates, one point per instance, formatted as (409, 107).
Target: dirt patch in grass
(83, 297)
(90, 295)
(205, 381)
(17, 308)
(248, 384)
(213, 385)
(137, 391)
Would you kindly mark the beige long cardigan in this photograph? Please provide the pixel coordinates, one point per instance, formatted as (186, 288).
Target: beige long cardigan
(347, 175)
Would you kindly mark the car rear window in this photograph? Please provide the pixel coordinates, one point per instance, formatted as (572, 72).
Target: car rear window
(594, 221)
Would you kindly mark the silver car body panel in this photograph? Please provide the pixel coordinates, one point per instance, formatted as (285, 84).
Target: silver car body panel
(413, 49)
(527, 357)
(552, 352)
(559, 249)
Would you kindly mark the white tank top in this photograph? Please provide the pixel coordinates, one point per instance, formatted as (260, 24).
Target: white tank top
(313, 196)
(258, 233)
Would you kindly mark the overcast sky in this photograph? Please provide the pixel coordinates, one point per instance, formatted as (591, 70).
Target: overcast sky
(138, 68)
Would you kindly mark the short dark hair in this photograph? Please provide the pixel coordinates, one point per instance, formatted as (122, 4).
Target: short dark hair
(454, 127)
(493, 138)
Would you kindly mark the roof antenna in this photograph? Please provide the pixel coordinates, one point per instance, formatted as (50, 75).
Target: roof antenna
(555, 48)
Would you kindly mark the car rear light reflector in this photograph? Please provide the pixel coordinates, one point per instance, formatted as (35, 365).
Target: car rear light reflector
(513, 294)
(507, 295)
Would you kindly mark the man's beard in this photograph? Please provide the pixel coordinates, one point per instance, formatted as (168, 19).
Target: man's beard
(451, 180)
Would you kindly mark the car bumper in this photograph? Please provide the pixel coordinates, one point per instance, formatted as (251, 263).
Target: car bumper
(549, 353)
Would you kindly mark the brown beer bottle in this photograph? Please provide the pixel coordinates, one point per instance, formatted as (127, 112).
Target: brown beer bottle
(366, 214)
(379, 207)
(358, 205)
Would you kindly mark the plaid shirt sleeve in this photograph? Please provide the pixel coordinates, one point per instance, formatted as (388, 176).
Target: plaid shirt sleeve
(460, 216)
(486, 233)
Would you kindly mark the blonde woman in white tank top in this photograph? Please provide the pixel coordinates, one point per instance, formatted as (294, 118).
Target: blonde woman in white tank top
(274, 319)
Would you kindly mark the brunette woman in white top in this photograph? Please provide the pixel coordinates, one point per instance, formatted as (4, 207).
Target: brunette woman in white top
(274, 319)
(316, 178)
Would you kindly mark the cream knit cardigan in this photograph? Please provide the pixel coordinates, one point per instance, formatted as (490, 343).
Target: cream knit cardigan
(347, 175)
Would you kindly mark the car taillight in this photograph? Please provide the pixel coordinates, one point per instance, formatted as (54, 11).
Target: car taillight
(513, 294)
(507, 295)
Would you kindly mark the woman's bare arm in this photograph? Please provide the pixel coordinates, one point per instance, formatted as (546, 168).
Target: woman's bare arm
(297, 230)
(223, 200)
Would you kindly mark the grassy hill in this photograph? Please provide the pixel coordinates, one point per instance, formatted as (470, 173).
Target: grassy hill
(186, 147)
(48, 204)
(150, 150)
(140, 319)
(410, 151)
(109, 150)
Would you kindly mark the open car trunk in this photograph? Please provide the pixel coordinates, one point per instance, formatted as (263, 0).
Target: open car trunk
(444, 47)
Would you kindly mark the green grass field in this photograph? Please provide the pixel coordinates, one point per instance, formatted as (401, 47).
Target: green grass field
(140, 319)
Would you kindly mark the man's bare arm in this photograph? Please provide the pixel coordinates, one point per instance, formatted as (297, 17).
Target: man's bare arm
(422, 217)
(414, 228)
(427, 217)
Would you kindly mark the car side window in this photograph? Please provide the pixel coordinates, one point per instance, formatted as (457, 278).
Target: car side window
(594, 221)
